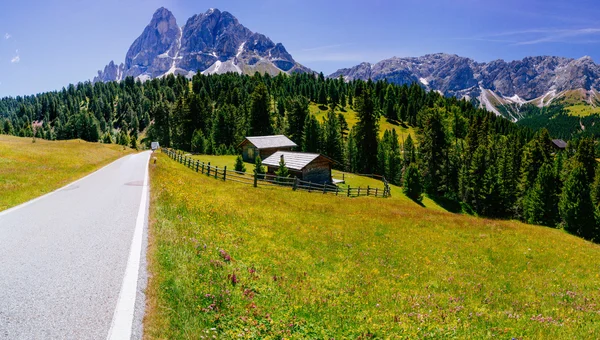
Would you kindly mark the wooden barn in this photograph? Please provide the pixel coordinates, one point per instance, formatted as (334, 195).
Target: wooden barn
(264, 146)
(559, 144)
(311, 167)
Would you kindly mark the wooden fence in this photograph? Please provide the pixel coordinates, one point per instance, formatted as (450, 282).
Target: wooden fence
(274, 181)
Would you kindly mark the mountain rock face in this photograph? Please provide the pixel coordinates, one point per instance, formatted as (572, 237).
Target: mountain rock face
(535, 80)
(213, 42)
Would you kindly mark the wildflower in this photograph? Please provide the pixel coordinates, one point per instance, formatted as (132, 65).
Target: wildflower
(225, 256)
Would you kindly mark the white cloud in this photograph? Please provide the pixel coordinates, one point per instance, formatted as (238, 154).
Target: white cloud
(7, 36)
(543, 35)
(16, 58)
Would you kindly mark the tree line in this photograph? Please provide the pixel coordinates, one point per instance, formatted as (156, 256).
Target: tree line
(463, 157)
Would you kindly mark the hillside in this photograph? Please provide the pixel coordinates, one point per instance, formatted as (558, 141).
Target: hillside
(350, 116)
(499, 86)
(29, 170)
(230, 260)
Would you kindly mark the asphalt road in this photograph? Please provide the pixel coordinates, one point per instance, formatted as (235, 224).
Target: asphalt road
(63, 257)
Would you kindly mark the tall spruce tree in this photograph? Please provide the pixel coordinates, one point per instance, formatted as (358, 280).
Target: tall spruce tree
(260, 112)
(541, 202)
(297, 109)
(412, 183)
(334, 146)
(367, 131)
(586, 155)
(575, 206)
(311, 135)
(433, 150)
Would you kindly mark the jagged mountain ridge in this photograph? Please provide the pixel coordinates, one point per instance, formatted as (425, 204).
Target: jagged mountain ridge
(500, 86)
(212, 42)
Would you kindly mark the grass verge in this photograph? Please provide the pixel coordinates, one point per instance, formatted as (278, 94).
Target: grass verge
(29, 170)
(229, 261)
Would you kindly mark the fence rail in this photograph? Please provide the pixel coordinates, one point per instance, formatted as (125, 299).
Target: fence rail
(271, 180)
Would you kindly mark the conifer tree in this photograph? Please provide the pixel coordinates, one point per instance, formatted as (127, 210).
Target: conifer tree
(343, 125)
(322, 95)
(260, 112)
(586, 155)
(412, 183)
(239, 164)
(390, 103)
(333, 138)
(575, 206)
(259, 170)
(311, 135)
(352, 152)
(282, 171)
(367, 131)
(541, 202)
(198, 143)
(297, 113)
(433, 151)
(410, 153)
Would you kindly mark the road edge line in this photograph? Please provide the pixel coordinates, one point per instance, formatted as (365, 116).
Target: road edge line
(33, 200)
(122, 321)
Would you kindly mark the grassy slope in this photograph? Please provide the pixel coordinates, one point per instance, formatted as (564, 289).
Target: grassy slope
(309, 265)
(350, 115)
(577, 103)
(28, 170)
(350, 179)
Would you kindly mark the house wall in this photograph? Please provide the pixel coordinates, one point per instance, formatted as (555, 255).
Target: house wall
(249, 153)
(317, 172)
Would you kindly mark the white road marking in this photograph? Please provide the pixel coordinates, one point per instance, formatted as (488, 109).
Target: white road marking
(123, 317)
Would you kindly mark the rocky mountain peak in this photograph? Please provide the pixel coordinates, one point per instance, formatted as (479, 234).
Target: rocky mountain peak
(210, 42)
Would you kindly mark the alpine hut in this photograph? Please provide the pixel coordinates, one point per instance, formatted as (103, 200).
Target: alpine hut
(559, 144)
(310, 167)
(264, 146)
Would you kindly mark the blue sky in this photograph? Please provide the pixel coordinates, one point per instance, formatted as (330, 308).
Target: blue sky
(45, 45)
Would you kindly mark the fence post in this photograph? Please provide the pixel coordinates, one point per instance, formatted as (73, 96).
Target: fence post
(358, 192)
(197, 165)
(225, 173)
(202, 167)
(216, 171)
(324, 187)
(348, 191)
(368, 190)
(295, 186)
(376, 189)
(309, 185)
(208, 169)
(255, 178)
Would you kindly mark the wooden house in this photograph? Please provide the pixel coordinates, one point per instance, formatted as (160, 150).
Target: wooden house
(264, 146)
(559, 144)
(311, 167)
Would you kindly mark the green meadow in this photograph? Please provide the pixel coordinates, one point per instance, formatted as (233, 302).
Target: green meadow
(29, 170)
(232, 261)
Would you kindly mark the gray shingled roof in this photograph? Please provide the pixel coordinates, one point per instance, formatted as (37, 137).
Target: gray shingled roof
(559, 143)
(293, 160)
(268, 142)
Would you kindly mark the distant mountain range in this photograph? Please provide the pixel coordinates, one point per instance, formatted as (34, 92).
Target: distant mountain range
(215, 42)
(501, 87)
